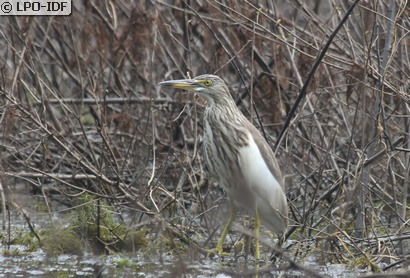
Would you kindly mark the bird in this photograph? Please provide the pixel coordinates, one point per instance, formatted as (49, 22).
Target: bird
(239, 158)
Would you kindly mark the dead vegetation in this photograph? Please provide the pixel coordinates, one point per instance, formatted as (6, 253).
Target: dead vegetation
(81, 114)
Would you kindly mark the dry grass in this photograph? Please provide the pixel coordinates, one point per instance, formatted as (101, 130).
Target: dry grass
(81, 113)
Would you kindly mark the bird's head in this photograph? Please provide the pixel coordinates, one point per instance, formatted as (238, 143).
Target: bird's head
(209, 86)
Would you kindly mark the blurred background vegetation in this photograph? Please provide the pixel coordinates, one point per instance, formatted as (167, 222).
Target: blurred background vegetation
(86, 131)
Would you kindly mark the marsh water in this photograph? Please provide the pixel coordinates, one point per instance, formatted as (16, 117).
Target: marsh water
(17, 260)
(38, 264)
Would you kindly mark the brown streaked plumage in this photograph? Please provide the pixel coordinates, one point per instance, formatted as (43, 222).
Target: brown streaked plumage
(238, 157)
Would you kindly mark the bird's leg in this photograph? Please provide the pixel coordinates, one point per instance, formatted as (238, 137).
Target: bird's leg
(219, 247)
(257, 229)
(277, 251)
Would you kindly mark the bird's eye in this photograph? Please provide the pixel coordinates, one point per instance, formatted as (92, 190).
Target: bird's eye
(207, 83)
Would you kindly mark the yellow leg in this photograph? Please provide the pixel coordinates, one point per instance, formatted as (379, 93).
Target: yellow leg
(257, 229)
(219, 247)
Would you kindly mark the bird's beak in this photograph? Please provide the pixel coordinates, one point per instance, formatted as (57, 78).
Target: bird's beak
(184, 84)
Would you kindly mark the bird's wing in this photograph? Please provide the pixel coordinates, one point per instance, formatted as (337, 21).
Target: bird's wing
(266, 153)
(262, 174)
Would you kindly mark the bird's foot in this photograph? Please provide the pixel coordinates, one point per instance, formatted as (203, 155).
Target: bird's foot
(217, 251)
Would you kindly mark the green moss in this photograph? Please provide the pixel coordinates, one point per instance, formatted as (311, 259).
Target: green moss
(87, 119)
(26, 241)
(164, 243)
(13, 253)
(136, 240)
(57, 241)
(41, 207)
(124, 263)
(24, 238)
(93, 221)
